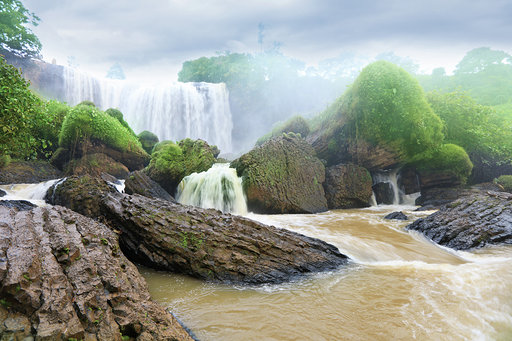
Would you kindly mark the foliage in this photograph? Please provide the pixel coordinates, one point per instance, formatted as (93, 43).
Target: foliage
(477, 128)
(118, 115)
(386, 105)
(88, 103)
(21, 111)
(84, 123)
(505, 181)
(5, 160)
(148, 140)
(296, 124)
(48, 125)
(447, 158)
(15, 36)
(481, 58)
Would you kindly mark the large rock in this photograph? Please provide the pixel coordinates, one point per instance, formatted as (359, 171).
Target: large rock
(384, 193)
(203, 243)
(283, 176)
(64, 277)
(95, 165)
(28, 172)
(139, 183)
(436, 179)
(474, 221)
(347, 186)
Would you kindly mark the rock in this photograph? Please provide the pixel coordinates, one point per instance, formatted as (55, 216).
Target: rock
(384, 193)
(139, 183)
(474, 221)
(20, 172)
(95, 165)
(147, 140)
(438, 197)
(2, 193)
(283, 175)
(347, 186)
(408, 180)
(20, 205)
(202, 243)
(171, 162)
(486, 168)
(64, 277)
(396, 216)
(436, 179)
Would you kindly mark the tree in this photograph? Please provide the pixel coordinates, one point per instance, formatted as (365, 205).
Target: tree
(15, 36)
(480, 58)
(116, 72)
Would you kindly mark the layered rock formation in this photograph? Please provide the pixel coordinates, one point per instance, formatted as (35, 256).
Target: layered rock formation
(139, 183)
(283, 176)
(28, 172)
(347, 186)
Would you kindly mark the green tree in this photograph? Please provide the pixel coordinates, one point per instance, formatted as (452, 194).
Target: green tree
(386, 105)
(481, 58)
(15, 35)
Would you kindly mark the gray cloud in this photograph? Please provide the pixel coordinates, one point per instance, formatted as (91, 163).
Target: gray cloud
(148, 32)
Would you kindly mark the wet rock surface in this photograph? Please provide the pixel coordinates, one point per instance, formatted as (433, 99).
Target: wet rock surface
(396, 216)
(21, 205)
(347, 186)
(283, 176)
(202, 243)
(64, 277)
(384, 193)
(140, 183)
(28, 172)
(473, 221)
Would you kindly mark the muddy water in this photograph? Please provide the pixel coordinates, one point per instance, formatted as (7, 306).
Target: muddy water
(398, 287)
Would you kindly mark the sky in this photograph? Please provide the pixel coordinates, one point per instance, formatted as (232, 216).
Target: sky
(152, 38)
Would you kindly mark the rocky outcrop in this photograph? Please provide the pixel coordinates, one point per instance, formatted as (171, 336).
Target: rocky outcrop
(95, 165)
(20, 205)
(396, 216)
(474, 221)
(139, 183)
(347, 186)
(436, 179)
(283, 176)
(408, 180)
(64, 277)
(384, 193)
(21, 172)
(203, 243)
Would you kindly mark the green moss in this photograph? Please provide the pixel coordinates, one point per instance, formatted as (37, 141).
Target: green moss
(88, 103)
(5, 160)
(505, 181)
(84, 123)
(296, 124)
(148, 140)
(118, 115)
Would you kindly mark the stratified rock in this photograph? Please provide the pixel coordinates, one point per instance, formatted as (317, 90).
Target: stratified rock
(384, 193)
(396, 216)
(437, 179)
(347, 186)
(283, 176)
(202, 243)
(28, 172)
(473, 221)
(95, 165)
(20, 205)
(139, 183)
(64, 277)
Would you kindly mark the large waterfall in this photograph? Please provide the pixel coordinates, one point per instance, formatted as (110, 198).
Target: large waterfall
(219, 187)
(172, 112)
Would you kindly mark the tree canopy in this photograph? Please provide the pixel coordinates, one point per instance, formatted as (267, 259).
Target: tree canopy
(15, 35)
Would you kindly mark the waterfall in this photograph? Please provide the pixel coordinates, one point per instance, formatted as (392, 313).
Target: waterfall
(386, 189)
(219, 188)
(34, 193)
(172, 112)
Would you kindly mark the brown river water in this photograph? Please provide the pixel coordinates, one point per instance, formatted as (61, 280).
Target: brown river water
(399, 286)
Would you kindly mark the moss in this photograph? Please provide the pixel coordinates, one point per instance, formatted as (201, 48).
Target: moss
(505, 181)
(5, 160)
(88, 103)
(296, 124)
(118, 115)
(84, 123)
(148, 140)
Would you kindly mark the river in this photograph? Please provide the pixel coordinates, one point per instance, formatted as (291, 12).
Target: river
(399, 286)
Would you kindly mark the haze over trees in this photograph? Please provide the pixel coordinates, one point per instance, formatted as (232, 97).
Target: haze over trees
(15, 34)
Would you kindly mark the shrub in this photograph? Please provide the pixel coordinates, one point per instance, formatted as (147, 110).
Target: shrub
(505, 181)
(47, 127)
(5, 160)
(84, 123)
(447, 158)
(88, 103)
(118, 115)
(148, 140)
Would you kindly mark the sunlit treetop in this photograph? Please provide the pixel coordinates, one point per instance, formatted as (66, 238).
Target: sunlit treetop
(15, 34)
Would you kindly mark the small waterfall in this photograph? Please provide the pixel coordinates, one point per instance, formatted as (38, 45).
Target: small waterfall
(172, 112)
(387, 191)
(219, 188)
(34, 193)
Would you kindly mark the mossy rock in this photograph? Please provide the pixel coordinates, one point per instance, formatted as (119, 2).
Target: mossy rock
(296, 125)
(171, 162)
(505, 181)
(148, 140)
(118, 115)
(95, 165)
(34, 171)
(347, 186)
(283, 176)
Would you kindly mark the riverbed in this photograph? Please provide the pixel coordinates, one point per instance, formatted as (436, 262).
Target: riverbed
(398, 286)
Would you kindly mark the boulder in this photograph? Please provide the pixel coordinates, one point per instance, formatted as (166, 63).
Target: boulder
(20, 172)
(396, 216)
(408, 180)
(95, 165)
(347, 186)
(2, 193)
(283, 175)
(436, 179)
(202, 243)
(63, 277)
(473, 221)
(139, 183)
(147, 140)
(384, 193)
(20, 205)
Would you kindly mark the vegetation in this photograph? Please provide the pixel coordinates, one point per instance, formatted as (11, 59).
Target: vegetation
(148, 140)
(296, 125)
(15, 35)
(447, 158)
(505, 181)
(385, 105)
(118, 115)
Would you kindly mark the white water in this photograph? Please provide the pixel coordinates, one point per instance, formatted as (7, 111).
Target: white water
(399, 196)
(172, 112)
(219, 188)
(34, 193)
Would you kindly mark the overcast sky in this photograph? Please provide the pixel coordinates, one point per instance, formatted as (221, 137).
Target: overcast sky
(152, 38)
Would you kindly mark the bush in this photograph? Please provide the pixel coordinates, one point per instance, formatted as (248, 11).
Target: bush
(47, 127)
(84, 123)
(5, 160)
(386, 105)
(505, 181)
(447, 158)
(88, 103)
(148, 140)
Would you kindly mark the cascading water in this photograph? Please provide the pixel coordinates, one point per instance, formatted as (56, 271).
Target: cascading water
(172, 112)
(219, 188)
(34, 193)
(390, 180)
